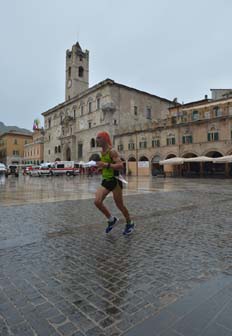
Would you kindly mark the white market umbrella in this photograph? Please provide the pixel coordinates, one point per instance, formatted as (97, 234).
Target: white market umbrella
(223, 159)
(199, 159)
(172, 161)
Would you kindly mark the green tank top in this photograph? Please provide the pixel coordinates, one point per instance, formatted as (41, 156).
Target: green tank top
(107, 173)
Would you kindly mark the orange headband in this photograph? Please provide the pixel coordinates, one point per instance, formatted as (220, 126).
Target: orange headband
(106, 137)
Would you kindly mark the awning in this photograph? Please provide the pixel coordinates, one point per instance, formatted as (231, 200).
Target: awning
(199, 159)
(172, 161)
(223, 159)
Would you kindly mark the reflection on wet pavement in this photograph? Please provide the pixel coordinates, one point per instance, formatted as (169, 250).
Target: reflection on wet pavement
(61, 275)
(53, 189)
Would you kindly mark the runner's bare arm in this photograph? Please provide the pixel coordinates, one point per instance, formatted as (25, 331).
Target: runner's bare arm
(118, 164)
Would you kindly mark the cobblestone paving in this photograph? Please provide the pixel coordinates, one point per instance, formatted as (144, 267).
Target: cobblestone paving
(61, 275)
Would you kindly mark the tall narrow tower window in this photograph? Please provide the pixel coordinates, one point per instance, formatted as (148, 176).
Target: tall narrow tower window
(80, 71)
(69, 72)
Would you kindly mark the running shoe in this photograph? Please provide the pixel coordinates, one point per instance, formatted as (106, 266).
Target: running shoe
(129, 228)
(111, 224)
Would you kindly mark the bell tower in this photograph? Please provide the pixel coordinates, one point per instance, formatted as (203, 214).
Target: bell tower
(77, 71)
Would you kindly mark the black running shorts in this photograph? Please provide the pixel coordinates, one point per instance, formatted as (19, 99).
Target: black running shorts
(111, 184)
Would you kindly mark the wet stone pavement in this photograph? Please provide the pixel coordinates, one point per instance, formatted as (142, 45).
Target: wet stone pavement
(62, 275)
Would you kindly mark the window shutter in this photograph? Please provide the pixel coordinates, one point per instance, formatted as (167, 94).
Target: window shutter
(208, 136)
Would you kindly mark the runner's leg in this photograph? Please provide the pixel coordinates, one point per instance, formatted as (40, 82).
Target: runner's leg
(118, 199)
(101, 194)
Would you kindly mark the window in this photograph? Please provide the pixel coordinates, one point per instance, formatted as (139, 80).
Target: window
(82, 110)
(217, 112)
(59, 149)
(92, 143)
(184, 117)
(15, 142)
(187, 139)
(135, 110)
(213, 136)
(148, 113)
(80, 71)
(98, 103)
(56, 149)
(69, 72)
(115, 122)
(171, 140)
(49, 123)
(25, 142)
(90, 107)
(142, 144)
(80, 150)
(120, 147)
(90, 124)
(156, 143)
(195, 115)
(207, 115)
(131, 146)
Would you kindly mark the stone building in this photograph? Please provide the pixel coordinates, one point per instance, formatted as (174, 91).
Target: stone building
(34, 151)
(71, 127)
(202, 128)
(12, 147)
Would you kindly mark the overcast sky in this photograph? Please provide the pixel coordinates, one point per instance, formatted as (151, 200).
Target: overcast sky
(170, 48)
